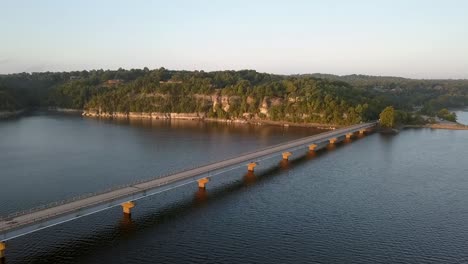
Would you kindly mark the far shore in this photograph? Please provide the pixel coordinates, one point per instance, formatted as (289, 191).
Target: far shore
(454, 126)
(201, 117)
(198, 117)
(65, 110)
(175, 116)
(10, 114)
(273, 123)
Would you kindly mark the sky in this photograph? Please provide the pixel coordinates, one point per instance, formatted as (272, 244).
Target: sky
(411, 38)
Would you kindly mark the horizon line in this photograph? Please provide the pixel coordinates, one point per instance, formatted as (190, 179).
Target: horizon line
(234, 70)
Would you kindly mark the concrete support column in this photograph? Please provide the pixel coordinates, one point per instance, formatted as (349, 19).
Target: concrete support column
(333, 140)
(362, 132)
(251, 166)
(349, 135)
(202, 182)
(286, 155)
(2, 250)
(312, 147)
(127, 207)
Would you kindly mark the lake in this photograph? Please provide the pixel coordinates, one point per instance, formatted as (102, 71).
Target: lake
(374, 199)
(462, 116)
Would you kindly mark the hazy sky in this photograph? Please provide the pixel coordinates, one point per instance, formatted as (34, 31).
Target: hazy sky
(410, 38)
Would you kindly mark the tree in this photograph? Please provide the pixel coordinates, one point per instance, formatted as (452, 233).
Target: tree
(447, 115)
(387, 117)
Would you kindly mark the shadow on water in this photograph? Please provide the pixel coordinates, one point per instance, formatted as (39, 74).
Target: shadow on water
(249, 178)
(129, 226)
(387, 137)
(201, 197)
(284, 164)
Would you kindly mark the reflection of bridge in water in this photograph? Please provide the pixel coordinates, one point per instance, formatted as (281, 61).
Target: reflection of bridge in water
(22, 223)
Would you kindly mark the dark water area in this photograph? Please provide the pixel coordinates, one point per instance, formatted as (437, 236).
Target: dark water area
(374, 199)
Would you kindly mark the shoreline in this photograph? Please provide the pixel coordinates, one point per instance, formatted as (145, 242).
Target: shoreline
(439, 126)
(11, 114)
(64, 110)
(202, 118)
(260, 122)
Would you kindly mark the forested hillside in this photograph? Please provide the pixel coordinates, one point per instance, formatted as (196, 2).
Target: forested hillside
(242, 94)
(404, 93)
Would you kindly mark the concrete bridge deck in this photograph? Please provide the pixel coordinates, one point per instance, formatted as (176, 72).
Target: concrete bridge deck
(20, 224)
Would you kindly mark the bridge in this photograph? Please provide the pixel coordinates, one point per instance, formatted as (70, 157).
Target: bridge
(25, 222)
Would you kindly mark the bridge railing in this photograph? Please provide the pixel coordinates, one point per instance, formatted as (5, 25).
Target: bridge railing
(139, 181)
(77, 198)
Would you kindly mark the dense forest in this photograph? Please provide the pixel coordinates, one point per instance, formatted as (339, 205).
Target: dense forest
(405, 94)
(7, 100)
(241, 94)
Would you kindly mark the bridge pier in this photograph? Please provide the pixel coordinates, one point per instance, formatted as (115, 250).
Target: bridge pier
(349, 135)
(2, 250)
(286, 155)
(127, 207)
(362, 131)
(333, 140)
(312, 147)
(251, 166)
(202, 182)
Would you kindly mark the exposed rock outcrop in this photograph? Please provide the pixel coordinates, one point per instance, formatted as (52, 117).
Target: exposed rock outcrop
(152, 115)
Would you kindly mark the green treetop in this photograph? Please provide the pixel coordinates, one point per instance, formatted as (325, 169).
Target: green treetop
(447, 115)
(387, 117)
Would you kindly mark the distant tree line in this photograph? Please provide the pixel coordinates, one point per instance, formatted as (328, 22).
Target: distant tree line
(428, 96)
(298, 98)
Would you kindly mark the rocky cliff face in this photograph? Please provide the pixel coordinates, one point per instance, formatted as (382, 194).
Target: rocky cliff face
(151, 115)
(215, 101)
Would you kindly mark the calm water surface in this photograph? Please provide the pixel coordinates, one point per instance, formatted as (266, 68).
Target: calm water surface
(462, 116)
(377, 199)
